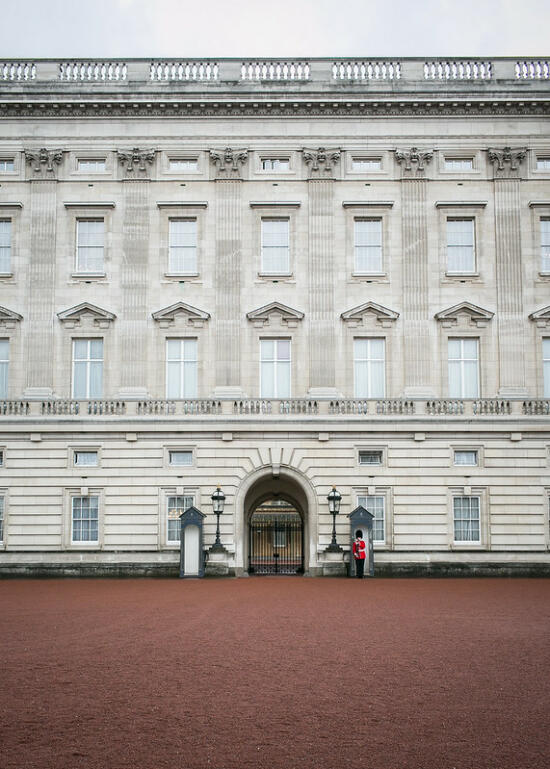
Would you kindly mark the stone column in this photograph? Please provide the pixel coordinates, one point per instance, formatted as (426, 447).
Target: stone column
(417, 357)
(132, 323)
(322, 334)
(42, 169)
(228, 166)
(511, 326)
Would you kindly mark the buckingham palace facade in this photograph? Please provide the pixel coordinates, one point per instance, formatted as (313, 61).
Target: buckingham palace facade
(275, 277)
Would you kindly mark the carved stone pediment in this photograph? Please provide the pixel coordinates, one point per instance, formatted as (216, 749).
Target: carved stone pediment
(360, 316)
(43, 162)
(413, 162)
(181, 313)
(228, 162)
(86, 314)
(541, 317)
(321, 162)
(507, 161)
(275, 314)
(8, 318)
(136, 162)
(466, 313)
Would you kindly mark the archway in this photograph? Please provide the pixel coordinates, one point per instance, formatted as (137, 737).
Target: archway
(276, 539)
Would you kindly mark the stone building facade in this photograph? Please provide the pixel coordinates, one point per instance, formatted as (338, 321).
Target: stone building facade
(275, 277)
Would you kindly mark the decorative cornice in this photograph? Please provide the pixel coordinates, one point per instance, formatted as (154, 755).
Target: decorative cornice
(321, 162)
(541, 317)
(413, 161)
(275, 204)
(507, 161)
(89, 204)
(461, 204)
(168, 316)
(479, 317)
(72, 318)
(262, 316)
(182, 204)
(383, 315)
(136, 162)
(43, 162)
(228, 162)
(8, 318)
(367, 203)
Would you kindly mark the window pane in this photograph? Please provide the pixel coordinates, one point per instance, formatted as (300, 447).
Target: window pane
(361, 379)
(181, 457)
(460, 245)
(173, 380)
(7, 165)
(275, 245)
(267, 375)
(377, 380)
(173, 349)
(546, 366)
(85, 458)
(96, 349)
(4, 379)
(189, 380)
(370, 457)
(80, 349)
(283, 349)
(366, 164)
(96, 380)
(4, 349)
(466, 519)
(545, 244)
(5, 246)
(191, 164)
(375, 505)
(85, 519)
(267, 349)
(283, 379)
(466, 458)
(93, 166)
(79, 379)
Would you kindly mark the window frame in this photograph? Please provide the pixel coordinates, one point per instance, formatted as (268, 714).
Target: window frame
(6, 159)
(83, 470)
(91, 171)
(169, 450)
(544, 269)
(261, 155)
(361, 210)
(275, 339)
(462, 339)
(356, 270)
(84, 491)
(545, 342)
(371, 449)
(275, 159)
(77, 266)
(386, 493)
(182, 273)
(6, 361)
(169, 157)
(474, 270)
(274, 273)
(182, 362)
(164, 497)
(4, 519)
(87, 339)
(368, 338)
(8, 220)
(484, 516)
(462, 450)
(196, 211)
(475, 210)
(352, 156)
(11, 212)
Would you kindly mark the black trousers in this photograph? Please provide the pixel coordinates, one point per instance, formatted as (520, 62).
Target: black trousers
(359, 567)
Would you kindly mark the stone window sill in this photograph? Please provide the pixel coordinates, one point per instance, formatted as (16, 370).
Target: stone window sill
(89, 275)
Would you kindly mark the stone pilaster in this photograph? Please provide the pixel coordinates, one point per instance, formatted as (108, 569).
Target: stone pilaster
(510, 316)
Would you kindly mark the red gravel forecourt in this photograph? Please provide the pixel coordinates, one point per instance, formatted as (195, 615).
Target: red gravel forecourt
(275, 673)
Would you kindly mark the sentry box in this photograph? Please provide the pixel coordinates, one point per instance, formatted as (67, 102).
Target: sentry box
(361, 519)
(191, 543)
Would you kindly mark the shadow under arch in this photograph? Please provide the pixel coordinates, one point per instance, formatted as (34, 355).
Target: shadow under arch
(260, 485)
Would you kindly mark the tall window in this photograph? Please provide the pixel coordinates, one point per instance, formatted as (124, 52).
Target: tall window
(175, 507)
(87, 368)
(275, 368)
(376, 506)
(546, 366)
(460, 245)
(275, 246)
(183, 246)
(90, 245)
(181, 368)
(5, 245)
(4, 366)
(368, 245)
(85, 519)
(466, 519)
(370, 365)
(463, 368)
(545, 245)
(1, 519)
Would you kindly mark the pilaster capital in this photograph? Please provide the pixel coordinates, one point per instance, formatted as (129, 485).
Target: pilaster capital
(321, 162)
(43, 162)
(136, 162)
(413, 162)
(228, 162)
(507, 161)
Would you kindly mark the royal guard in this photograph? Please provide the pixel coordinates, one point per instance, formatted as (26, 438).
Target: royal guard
(359, 553)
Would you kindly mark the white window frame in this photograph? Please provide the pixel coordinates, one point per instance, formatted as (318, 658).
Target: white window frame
(451, 246)
(369, 361)
(377, 451)
(3, 517)
(8, 245)
(380, 268)
(276, 361)
(193, 249)
(183, 165)
(462, 359)
(88, 360)
(468, 491)
(365, 165)
(173, 451)
(386, 494)
(546, 366)
(4, 161)
(544, 240)
(188, 385)
(97, 165)
(542, 162)
(462, 451)
(284, 270)
(5, 367)
(168, 496)
(471, 498)
(275, 161)
(85, 465)
(84, 542)
(455, 164)
(79, 268)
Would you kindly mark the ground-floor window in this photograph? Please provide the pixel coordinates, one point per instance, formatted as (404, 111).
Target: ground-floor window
(376, 506)
(466, 512)
(85, 519)
(176, 505)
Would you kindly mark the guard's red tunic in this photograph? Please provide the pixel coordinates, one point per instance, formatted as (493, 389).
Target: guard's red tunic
(359, 549)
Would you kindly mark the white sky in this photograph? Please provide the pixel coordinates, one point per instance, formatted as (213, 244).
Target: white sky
(255, 28)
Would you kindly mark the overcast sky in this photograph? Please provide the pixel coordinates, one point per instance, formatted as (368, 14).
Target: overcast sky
(255, 28)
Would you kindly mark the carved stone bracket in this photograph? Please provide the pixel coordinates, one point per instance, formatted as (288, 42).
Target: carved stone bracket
(321, 162)
(43, 162)
(136, 162)
(507, 161)
(228, 162)
(413, 161)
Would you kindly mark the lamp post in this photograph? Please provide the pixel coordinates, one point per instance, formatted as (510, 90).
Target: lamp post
(334, 499)
(218, 501)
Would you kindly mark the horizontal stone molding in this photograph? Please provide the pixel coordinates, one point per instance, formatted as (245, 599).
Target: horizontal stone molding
(368, 203)
(182, 204)
(461, 204)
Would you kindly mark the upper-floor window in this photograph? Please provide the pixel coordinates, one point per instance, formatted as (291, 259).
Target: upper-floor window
(546, 365)
(5, 245)
(460, 246)
(85, 458)
(366, 164)
(463, 368)
(376, 506)
(7, 165)
(90, 245)
(180, 458)
(459, 164)
(85, 519)
(543, 163)
(182, 246)
(369, 367)
(4, 366)
(1, 518)
(466, 511)
(275, 368)
(368, 245)
(275, 246)
(466, 457)
(92, 165)
(545, 245)
(175, 506)
(87, 368)
(368, 457)
(181, 368)
(275, 164)
(187, 165)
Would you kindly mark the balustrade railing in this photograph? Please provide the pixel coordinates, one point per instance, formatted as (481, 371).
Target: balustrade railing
(184, 70)
(17, 70)
(491, 407)
(536, 408)
(458, 70)
(275, 70)
(366, 70)
(93, 70)
(395, 406)
(14, 408)
(533, 70)
(61, 407)
(444, 407)
(102, 408)
(348, 406)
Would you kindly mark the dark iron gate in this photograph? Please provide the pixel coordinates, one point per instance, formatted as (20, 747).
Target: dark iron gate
(276, 543)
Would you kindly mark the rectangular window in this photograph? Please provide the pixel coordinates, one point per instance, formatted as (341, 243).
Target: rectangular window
(5, 245)
(187, 165)
(463, 368)
(466, 519)
(466, 458)
(85, 458)
(370, 457)
(368, 245)
(546, 366)
(91, 165)
(376, 506)
(275, 368)
(175, 507)
(1, 519)
(183, 246)
(4, 366)
(1, 458)
(275, 164)
(7, 165)
(459, 164)
(90, 245)
(543, 163)
(181, 368)
(275, 246)
(366, 164)
(545, 245)
(85, 519)
(181, 458)
(87, 368)
(369, 367)
(460, 246)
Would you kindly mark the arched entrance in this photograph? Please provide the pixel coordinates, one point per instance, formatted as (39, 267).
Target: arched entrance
(276, 539)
